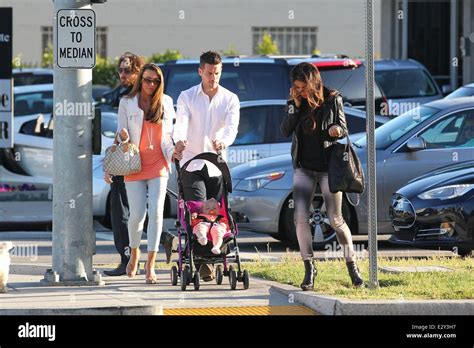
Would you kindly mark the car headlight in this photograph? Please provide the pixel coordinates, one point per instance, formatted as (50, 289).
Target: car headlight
(447, 192)
(254, 183)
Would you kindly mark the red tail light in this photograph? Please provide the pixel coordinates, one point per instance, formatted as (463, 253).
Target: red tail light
(342, 63)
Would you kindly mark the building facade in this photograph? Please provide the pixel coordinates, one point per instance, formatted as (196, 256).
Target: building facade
(192, 26)
(428, 31)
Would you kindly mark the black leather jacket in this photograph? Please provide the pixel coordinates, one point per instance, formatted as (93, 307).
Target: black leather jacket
(333, 113)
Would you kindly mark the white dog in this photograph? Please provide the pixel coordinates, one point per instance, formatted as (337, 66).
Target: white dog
(5, 247)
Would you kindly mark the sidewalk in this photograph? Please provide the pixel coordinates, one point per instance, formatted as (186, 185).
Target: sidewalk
(125, 296)
(332, 305)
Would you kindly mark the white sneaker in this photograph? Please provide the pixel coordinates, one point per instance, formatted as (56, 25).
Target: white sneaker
(202, 241)
(216, 251)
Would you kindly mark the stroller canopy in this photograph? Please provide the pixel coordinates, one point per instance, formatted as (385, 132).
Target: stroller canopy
(219, 162)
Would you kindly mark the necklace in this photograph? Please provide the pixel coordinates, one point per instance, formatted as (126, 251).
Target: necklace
(150, 138)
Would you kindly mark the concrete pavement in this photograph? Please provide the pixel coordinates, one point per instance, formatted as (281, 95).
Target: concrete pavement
(122, 295)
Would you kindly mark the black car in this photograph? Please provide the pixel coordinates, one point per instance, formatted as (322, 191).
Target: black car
(265, 78)
(436, 210)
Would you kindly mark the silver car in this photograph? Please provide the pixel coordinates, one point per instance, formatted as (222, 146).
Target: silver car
(259, 134)
(425, 138)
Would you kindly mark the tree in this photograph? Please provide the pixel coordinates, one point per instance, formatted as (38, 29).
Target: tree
(48, 57)
(230, 51)
(105, 72)
(267, 45)
(163, 57)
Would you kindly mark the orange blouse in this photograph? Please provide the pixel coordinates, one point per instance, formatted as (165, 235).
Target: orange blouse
(153, 161)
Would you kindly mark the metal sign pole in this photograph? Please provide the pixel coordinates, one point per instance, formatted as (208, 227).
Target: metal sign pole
(371, 160)
(73, 234)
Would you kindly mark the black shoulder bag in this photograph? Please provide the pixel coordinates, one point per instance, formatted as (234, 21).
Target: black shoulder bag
(345, 171)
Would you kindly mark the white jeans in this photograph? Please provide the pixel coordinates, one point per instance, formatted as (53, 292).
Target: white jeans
(139, 193)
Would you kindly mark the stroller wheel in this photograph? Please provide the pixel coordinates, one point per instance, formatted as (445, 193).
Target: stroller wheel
(232, 279)
(246, 279)
(219, 275)
(196, 280)
(188, 275)
(184, 279)
(228, 272)
(174, 275)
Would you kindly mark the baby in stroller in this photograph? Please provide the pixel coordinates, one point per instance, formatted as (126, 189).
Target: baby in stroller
(210, 221)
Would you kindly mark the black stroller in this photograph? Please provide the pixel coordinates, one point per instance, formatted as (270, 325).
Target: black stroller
(191, 252)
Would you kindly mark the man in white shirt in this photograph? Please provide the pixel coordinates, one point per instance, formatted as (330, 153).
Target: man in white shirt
(207, 120)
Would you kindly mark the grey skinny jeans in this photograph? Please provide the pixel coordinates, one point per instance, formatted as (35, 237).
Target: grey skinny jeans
(304, 187)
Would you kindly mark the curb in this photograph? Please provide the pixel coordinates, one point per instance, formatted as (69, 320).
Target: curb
(331, 305)
(119, 310)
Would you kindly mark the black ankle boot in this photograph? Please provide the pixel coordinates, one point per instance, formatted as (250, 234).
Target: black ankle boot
(310, 273)
(354, 273)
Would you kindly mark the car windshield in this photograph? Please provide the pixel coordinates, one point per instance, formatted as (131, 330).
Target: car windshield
(393, 130)
(255, 82)
(349, 82)
(461, 92)
(407, 83)
(33, 103)
(27, 79)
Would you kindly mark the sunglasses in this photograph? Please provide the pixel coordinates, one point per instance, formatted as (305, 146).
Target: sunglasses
(124, 71)
(148, 81)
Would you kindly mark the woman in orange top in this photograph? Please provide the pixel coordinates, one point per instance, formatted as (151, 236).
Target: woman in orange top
(146, 120)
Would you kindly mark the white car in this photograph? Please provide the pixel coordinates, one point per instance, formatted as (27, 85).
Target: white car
(26, 171)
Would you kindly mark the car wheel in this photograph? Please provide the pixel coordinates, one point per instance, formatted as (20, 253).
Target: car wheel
(321, 230)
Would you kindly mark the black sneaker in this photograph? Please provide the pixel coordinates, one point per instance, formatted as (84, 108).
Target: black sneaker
(119, 271)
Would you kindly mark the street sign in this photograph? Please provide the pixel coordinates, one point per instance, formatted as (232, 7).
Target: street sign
(75, 38)
(6, 93)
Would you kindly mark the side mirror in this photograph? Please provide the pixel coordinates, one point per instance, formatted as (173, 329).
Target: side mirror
(446, 89)
(416, 144)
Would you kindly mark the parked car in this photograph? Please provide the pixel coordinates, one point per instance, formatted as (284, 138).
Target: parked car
(436, 210)
(32, 76)
(406, 84)
(35, 99)
(269, 78)
(347, 76)
(464, 91)
(27, 169)
(423, 139)
(98, 92)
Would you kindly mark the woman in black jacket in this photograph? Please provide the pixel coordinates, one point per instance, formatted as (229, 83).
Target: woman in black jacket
(315, 118)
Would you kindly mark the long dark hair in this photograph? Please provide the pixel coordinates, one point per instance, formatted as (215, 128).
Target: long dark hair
(155, 114)
(309, 74)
